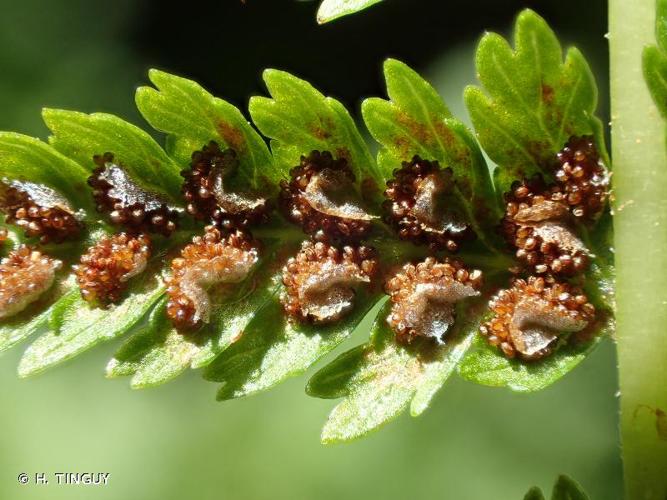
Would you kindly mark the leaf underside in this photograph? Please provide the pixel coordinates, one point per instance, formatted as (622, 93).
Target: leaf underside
(530, 102)
(273, 348)
(158, 352)
(379, 380)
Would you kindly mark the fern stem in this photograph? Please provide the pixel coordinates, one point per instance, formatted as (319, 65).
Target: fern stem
(640, 184)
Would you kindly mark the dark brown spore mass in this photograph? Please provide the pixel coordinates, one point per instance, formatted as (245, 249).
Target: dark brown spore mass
(540, 218)
(538, 223)
(298, 200)
(582, 177)
(206, 194)
(320, 280)
(210, 259)
(39, 211)
(528, 318)
(417, 206)
(127, 204)
(106, 267)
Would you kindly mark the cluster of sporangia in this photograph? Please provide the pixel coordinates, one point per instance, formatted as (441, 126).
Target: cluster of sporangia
(540, 223)
(321, 281)
(424, 295)
(107, 266)
(227, 251)
(39, 211)
(26, 273)
(418, 207)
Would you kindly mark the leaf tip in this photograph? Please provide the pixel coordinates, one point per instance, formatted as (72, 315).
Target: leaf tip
(109, 370)
(534, 494)
(141, 94)
(49, 115)
(271, 74)
(311, 389)
(26, 369)
(155, 74)
(328, 438)
(529, 16)
(391, 64)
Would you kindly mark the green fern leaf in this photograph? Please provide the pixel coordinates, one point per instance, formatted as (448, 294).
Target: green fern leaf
(75, 327)
(484, 365)
(565, 488)
(381, 379)
(534, 494)
(530, 103)
(299, 119)
(331, 10)
(158, 352)
(532, 100)
(80, 136)
(192, 117)
(415, 121)
(27, 158)
(273, 348)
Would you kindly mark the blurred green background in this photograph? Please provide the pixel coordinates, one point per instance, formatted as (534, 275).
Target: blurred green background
(176, 442)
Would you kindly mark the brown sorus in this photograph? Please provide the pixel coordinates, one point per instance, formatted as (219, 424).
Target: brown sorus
(209, 260)
(127, 204)
(320, 281)
(418, 208)
(539, 225)
(208, 197)
(424, 296)
(107, 266)
(25, 274)
(39, 210)
(582, 177)
(530, 318)
(321, 197)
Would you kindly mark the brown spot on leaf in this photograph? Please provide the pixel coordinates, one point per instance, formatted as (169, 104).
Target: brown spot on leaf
(661, 423)
(660, 419)
(541, 152)
(402, 145)
(547, 93)
(343, 152)
(445, 133)
(481, 209)
(321, 133)
(415, 129)
(232, 136)
(465, 187)
(323, 129)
